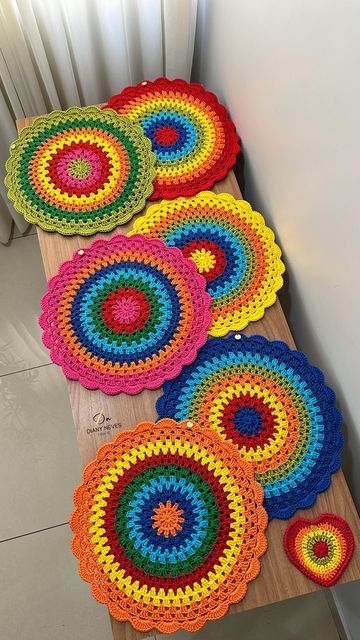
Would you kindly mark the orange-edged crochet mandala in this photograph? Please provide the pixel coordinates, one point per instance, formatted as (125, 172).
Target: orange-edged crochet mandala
(168, 526)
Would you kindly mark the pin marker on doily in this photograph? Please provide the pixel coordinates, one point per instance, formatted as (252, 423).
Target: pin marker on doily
(81, 252)
(189, 424)
(237, 336)
(144, 83)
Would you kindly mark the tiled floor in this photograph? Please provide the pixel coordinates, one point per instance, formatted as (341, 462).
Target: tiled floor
(41, 595)
(306, 618)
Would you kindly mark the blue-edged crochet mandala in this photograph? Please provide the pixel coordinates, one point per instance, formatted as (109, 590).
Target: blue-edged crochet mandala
(274, 405)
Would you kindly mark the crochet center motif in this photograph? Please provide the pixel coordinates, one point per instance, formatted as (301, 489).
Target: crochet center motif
(168, 526)
(125, 315)
(194, 140)
(167, 519)
(80, 171)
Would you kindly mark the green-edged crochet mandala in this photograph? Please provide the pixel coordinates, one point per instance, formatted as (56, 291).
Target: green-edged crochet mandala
(80, 171)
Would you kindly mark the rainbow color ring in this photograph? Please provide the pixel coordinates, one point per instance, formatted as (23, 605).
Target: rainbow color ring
(231, 247)
(273, 405)
(125, 314)
(321, 548)
(80, 171)
(168, 526)
(192, 136)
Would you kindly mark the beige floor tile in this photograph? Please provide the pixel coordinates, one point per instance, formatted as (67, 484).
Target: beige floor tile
(42, 595)
(39, 459)
(22, 284)
(296, 619)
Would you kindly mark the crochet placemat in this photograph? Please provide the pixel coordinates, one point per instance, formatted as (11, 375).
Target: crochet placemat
(321, 548)
(80, 171)
(168, 526)
(125, 314)
(273, 405)
(232, 248)
(194, 140)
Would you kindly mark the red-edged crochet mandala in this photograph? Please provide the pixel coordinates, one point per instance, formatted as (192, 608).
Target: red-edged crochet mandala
(192, 136)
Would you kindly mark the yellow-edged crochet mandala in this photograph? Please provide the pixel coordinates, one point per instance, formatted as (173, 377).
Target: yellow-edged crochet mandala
(232, 247)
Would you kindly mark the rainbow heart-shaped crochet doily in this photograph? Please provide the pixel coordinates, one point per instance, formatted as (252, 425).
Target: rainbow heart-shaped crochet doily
(194, 140)
(232, 249)
(321, 548)
(168, 526)
(270, 402)
(80, 171)
(125, 314)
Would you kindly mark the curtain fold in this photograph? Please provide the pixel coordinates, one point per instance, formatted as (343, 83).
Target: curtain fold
(58, 53)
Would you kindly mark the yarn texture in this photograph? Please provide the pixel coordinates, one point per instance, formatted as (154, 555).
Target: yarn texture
(271, 403)
(321, 548)
(168, 526)
(192, 136)
(125, 314)
(231, 247)
(80, 171)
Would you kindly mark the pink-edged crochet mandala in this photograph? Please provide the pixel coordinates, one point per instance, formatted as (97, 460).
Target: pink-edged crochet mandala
(125, 314)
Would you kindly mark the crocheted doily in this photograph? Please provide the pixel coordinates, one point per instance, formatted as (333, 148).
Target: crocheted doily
(80, 171)
(273, 405)
(232, 248)
(321, 548)
(168, 526)
(191, 134)
(125, 314)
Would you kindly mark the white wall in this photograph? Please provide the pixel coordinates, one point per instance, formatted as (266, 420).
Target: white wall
(289, 72)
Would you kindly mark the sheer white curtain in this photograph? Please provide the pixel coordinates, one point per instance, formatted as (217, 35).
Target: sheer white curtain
(59, 53)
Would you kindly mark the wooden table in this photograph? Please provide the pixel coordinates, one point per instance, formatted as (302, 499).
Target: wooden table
(98, 417)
